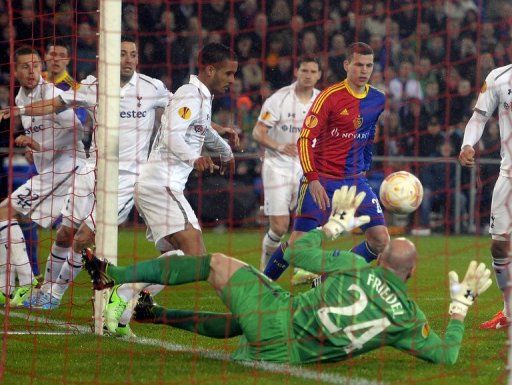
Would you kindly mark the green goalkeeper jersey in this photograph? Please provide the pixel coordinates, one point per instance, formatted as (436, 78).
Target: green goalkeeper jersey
(359, 308)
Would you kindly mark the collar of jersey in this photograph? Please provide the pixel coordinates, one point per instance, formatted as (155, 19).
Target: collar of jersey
(133, 79)
(392, 278)
(199, 84)
(60, 78)
(354, 93)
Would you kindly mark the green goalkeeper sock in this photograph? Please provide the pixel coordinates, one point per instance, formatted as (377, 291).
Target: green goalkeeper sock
(214, 325)
(166, 270)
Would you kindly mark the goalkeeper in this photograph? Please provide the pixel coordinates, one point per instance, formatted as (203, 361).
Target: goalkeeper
(356, 309)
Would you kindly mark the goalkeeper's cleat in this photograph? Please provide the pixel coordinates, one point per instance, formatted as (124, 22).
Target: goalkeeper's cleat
(499, 321)
(97, 270)
(21, 294)
(143, 311)
(124, 331)
(114, 310)
(3, 299)
(302, 276)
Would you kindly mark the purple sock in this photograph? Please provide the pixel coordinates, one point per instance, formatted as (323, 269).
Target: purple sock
(276, 264)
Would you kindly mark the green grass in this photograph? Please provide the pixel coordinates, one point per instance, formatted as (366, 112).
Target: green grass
(88, 359)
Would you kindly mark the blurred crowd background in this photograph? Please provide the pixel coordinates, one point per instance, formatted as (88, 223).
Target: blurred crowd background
(431, 58)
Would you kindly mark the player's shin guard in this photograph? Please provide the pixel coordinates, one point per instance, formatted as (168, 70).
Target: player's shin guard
(276, 265)
(56, 259)
(68, 273)
(11, 239)
(269, 245)
(501, 271)
(31, 236)
(167, 270)
(363, 249)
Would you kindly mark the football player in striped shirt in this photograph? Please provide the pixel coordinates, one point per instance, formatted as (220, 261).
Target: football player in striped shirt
(335, 149)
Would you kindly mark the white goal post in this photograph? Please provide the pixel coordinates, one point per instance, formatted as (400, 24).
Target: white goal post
(107, 139)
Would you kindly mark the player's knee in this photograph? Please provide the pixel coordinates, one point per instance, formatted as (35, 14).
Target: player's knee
(64, 236)
(499, 249)
(82, 240)
(279, 229)
(378, 240)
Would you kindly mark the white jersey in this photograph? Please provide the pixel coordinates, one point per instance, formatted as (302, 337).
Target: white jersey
(283, 113)
(497, 92)
(57, 134)
(186, 126)
(139, 99)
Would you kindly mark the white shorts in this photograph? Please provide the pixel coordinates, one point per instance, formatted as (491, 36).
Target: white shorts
(501, 207)
(280, 190)
(81, 204)
(43, 196)
(165, 212)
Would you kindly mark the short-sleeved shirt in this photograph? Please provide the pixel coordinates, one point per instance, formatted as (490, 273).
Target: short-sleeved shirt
(497, 92)
(138, 100)
(55, 133)
(283, 113)
(180, 139)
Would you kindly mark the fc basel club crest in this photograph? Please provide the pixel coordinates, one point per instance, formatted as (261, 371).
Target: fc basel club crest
(184, 113)
(311, 121)
(358, 122)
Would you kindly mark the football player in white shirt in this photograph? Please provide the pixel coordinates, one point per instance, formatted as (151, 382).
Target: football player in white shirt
(278, 130)
(496, 92)
(53, 140)
(186, 126)
(142, 98)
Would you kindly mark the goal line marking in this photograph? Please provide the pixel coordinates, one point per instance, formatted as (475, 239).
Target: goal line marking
(295, 371)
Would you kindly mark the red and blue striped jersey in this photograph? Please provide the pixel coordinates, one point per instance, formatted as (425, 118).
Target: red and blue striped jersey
(337, 135)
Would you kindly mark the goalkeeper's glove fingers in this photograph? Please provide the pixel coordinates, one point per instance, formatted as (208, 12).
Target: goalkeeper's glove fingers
(335, 225)
(345, 198)
(476, 281)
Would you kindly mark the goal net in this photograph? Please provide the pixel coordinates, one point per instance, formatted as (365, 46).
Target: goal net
(72, 181)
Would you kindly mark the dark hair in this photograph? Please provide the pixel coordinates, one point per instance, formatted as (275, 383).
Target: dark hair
(359, 48)
(128, 38)
(309, 59)
(25, 50)
(59, 43)
(214, 53)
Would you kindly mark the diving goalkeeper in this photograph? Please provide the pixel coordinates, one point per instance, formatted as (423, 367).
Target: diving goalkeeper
(356, 309)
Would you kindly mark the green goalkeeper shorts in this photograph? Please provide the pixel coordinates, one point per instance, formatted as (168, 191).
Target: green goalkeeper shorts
(263, 310)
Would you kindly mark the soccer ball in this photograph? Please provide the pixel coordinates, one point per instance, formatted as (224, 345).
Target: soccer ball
(401, 192)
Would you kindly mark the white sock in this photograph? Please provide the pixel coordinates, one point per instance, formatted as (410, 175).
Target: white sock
(11, 237)
(128, 292)
(68, 273)
(270, 243)
(54, 263)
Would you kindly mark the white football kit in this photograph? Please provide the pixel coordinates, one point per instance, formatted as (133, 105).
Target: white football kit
(497, 92)
(140, 97)
(283, 113)
(43, 196)
(186, 126)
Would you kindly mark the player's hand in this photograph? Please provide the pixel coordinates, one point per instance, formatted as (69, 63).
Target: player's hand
(227, 167)
(9, 112)
(476, 281)
(319, 195)
(27, 141)
(233, 138)
(29, 155)
(344, 205)
(289, 149)
(205, 163)
(467, 156)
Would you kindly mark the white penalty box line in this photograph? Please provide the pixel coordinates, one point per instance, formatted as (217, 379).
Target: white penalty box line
(295, 371)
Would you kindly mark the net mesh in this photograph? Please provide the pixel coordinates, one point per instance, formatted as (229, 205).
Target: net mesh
(431, 60)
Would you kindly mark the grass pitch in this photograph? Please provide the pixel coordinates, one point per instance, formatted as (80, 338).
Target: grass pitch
(35, 351)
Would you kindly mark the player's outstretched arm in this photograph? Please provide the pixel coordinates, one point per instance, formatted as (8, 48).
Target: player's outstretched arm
(426, 344)
(39, 108)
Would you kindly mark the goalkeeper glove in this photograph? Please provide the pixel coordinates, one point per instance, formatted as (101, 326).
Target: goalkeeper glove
(344, 205)
(476, 281)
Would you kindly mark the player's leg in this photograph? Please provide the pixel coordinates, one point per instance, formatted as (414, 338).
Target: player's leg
(31, 235)
(308, 216)
(376, 232)
(500, 228)
(280, 193)
(209, 324)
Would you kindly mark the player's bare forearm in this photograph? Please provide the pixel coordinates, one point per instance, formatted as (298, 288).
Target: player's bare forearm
(260, 135)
